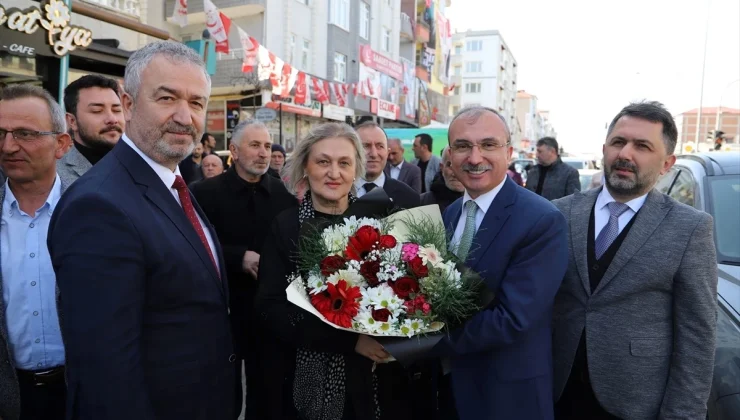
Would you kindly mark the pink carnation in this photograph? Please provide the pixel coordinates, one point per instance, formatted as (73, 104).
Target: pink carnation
(409, 251)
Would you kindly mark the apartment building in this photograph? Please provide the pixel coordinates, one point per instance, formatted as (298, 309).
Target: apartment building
(484, 72)
(533, 122)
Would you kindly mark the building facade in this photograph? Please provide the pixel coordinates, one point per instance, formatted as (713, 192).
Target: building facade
(484, 72)
(533, 122)
(724, 119)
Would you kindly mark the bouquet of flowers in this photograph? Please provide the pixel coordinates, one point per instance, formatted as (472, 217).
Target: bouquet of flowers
(384, 277)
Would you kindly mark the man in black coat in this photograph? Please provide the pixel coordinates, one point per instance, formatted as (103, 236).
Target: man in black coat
(241, 203)
(551, 178)
(375, 142)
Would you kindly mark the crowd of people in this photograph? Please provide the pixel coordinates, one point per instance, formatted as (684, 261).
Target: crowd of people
(141, 280)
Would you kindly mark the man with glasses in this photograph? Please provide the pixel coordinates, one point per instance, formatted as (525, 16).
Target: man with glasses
(33, 136)
(500, 360)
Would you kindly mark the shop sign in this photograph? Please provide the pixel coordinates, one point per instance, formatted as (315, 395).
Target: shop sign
(288, 105)
(265, 115)
(54, 19)
(215, 121)
(381, 63)
(385, 109)
(338, 113)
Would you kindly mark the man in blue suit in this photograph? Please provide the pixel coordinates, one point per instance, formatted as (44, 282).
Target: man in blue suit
(500, 360)
(143, 296)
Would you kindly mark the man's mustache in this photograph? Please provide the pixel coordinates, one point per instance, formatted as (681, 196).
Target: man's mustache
(173, 127)
(624, 166)
(112, 128)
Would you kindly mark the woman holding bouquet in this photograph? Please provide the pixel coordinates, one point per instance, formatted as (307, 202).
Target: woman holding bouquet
(322, 373)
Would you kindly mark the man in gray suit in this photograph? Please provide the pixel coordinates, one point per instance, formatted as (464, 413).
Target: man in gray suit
(32, 137)
(400, 170)
(428, 163)
(551, 178)
(95, 120)
(635, 317)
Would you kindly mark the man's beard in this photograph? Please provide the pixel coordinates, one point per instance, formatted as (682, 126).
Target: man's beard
(254, 171)
(163, 148)
(642, 182)
(97, 141)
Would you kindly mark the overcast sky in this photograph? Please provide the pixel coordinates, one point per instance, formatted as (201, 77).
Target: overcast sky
(586, 59)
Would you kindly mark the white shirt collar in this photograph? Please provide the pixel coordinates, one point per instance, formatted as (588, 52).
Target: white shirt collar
(484, 200)
(398, 166)
(379, 182)
(10, 202)
(605, 198)
(164, 173)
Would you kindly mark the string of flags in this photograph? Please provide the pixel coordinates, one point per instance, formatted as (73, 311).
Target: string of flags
(283, 77)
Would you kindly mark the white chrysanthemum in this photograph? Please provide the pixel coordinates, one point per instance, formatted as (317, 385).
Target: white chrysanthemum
(389, 327)
(430, 255)
(366, 321)
(383, 297)
(316, 283)
(335, 240)
(369, 222)
(450, 273)
(411, 327)
(353, 278)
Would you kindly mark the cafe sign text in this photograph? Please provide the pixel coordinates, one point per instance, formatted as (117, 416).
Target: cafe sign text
(62, 36)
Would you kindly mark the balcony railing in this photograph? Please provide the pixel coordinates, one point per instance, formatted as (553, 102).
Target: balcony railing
(129, 7)
(407, 28)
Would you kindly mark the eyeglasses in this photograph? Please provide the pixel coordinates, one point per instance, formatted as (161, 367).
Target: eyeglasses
(466, 147)
(25, 135)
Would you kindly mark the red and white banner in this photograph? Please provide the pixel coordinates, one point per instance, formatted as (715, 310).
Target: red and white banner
(266, 63)
(180, 14)
(218, 26)
(381, 63)
(250, 47)
(276, 76)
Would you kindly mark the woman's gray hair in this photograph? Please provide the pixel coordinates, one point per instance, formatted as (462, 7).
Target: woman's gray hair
(238, 133)
(295, 167)
(22, 91)
(171, 50)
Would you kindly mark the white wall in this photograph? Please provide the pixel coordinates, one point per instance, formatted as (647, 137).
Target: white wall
(385, 16)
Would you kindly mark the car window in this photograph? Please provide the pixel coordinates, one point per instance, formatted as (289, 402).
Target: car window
(684, 189)
(665, 181)
(725, 200)
(575, 164)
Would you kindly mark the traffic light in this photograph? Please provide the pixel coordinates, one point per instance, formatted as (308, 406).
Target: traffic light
(710, 135)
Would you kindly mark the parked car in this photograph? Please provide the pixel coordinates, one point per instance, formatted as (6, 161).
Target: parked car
(590, 178)
(711, 182)
(578, 162)
(522, 165)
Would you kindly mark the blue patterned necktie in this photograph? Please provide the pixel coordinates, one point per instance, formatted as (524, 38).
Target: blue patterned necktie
(611, 230)
(466, 240)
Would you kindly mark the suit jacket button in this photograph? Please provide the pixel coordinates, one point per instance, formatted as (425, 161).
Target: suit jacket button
(595, 267)
(232, 358)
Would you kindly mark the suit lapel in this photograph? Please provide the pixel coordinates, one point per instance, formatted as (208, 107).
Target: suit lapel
(493, 221)
(77, 162)
(579, 218)
(647, 220)
(155, 190)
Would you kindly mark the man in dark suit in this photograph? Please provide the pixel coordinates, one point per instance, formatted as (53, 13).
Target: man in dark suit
(375, 142)
(143, 291)
(501, 360)
(242, 202)
(400, 170)
(551, 177)
(635, 319)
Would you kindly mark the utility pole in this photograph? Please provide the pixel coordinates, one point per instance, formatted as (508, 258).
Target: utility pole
(703, 71)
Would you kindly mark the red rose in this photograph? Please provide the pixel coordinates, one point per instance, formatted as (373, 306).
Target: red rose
(405, 286)
(331, 265)
(363, 241)
(369, 270)
(418, 268)
(381, 314)
(387, 241)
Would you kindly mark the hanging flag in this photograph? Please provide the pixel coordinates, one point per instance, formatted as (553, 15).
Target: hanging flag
(339, 94)
(218, 26)
(320, 92)
(300, 88)
(266, 63)
(276, 75)
(291, 82)
(250, 47)
(180, 14)
(284, 84)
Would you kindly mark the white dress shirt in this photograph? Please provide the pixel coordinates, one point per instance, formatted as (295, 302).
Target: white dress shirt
(396, 170)
(483, 201)
(601, 211)
(360, 184)
(168, 178)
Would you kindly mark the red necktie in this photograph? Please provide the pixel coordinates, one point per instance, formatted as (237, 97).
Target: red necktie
(187, 206)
